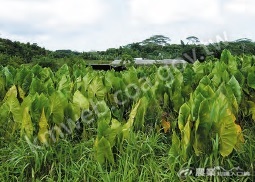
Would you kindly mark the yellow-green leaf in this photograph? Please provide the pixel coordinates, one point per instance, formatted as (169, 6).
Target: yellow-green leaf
(129, 124)
(43, 129)
(104, 151)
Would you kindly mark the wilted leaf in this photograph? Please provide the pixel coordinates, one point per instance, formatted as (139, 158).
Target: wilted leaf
(166, 125)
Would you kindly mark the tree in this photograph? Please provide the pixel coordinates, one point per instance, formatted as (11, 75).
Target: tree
(157, 40)
(127, 59)
(192, 39)
(243, 40)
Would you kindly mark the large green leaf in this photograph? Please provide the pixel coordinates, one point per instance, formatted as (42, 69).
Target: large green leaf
(130, 76)
(251, 106)
(102, 111)
(86, 80)
(4, 114)
(183, 116)
(65, 85)
(104, 151)
(188, 75)
(21, 75)
(96, 89)
(194, 102)
(14, 108)
(174, 151)
(177, 100)
(227, 135)
(251, 80)
(63, 71)
(11, 92)
(226, 57)
(225, 76)
(236, 89)
(186, 139)
(37, 86)
(9, 77)
(205, 91)
(46, 74)
(141, 111)
(80, 100)
(79, 104)
(58, 103)
(206, 114)
(115, 130)
(225, 127)
(2, 87)
(27, 82)
(39, 103)
(111, 81)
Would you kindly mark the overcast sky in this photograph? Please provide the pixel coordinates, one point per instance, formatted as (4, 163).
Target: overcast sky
(85, 25)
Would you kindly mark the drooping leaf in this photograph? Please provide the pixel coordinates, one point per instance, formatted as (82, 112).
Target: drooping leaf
(114, 131)
(27, 125)
(141, 111)
(43, 133)
(206, 115)
(225, 127)
(104, 151)
(21, 93)
(240, 138)
(186, 139)
(175, 147)
(127, 126)
(15, 108)
(183, 116)
(227, 135)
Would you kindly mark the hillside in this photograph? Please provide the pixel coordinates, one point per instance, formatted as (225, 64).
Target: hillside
(156, 48)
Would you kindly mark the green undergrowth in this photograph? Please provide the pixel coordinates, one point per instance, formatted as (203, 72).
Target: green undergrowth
(145, 157)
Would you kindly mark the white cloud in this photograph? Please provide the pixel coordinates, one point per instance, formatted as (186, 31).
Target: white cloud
(53, 14)
(244, 7)
(100, 24)
(169, 11)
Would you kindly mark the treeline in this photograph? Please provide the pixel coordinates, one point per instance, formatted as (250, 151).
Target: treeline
(157, 47)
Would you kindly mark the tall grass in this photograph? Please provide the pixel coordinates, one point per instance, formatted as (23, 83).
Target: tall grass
(143, 158)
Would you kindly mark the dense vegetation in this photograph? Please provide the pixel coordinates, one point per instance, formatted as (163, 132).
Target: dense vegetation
(156, 47)
(141, 124)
